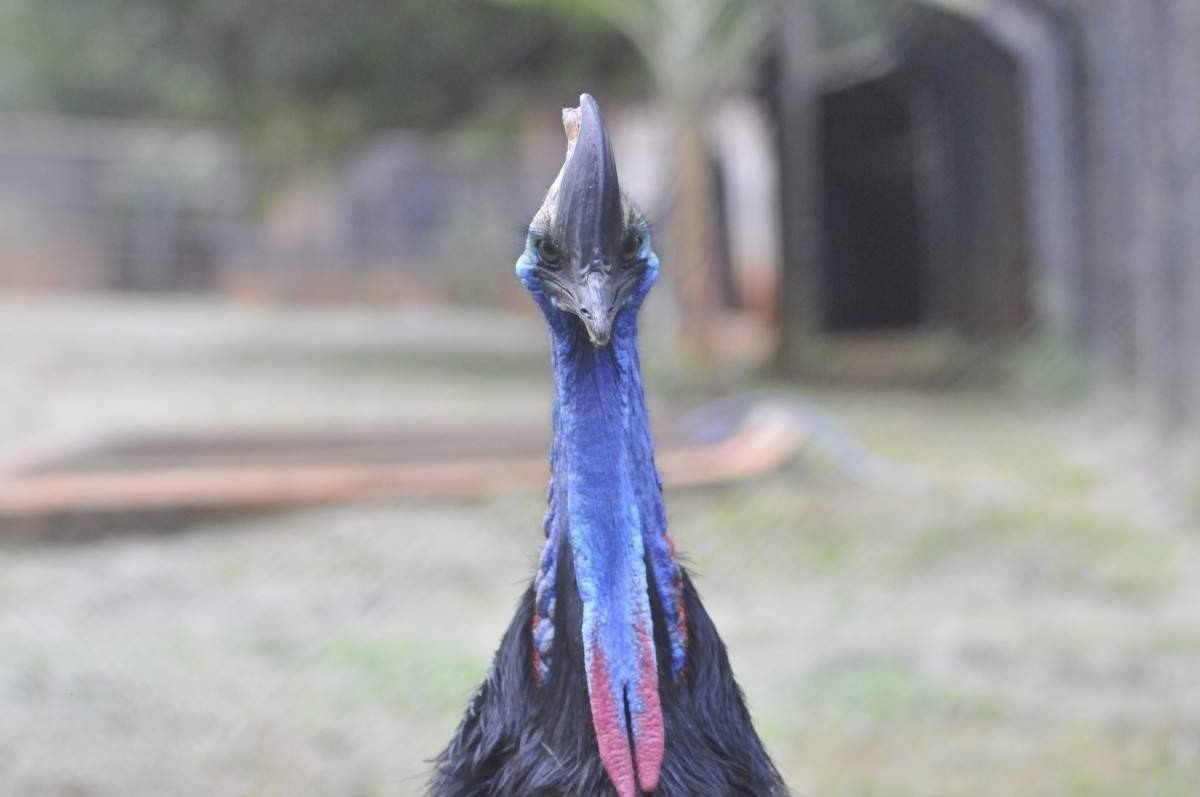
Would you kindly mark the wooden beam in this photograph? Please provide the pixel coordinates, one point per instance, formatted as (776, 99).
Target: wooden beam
(766, 439)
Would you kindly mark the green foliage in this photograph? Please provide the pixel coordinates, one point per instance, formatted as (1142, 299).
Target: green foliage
(303, 76)
(845, 21)
(693, 48)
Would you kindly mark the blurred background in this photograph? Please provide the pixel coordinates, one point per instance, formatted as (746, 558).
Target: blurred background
(923, 365)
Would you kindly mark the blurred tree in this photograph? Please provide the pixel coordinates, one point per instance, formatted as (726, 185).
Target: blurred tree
(844, 22)
(301, 78)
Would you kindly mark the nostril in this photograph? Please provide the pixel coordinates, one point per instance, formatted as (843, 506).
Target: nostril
(586, 313)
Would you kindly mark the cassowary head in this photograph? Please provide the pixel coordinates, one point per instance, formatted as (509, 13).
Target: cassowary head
(588, 249)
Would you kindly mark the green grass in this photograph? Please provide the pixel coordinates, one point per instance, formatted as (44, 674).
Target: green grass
(412, 676)
(1070, 548)
(887, 693)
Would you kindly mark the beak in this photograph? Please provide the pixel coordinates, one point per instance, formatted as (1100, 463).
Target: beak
(597, 297)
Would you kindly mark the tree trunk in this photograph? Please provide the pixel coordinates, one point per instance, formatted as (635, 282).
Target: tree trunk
(1182, 40)
(1112, 91)
(694, 232)
(1150, 262)
(1037, 33)
(799, 194)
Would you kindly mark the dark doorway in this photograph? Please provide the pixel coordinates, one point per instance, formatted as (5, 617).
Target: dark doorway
(872, 276)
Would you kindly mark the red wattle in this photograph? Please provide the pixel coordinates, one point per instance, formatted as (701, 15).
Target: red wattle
(607, 719)
(649, 737)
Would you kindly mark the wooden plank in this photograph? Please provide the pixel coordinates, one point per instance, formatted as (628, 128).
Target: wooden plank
(766, 438)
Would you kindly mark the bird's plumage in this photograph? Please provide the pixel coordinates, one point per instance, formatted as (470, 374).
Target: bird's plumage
(521, 739)
(611, 679)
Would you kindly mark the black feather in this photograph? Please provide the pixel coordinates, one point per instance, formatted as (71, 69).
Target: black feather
(519, 739)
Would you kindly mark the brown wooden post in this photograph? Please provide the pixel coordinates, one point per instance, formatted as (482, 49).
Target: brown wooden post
(694, 235)
(799, 192)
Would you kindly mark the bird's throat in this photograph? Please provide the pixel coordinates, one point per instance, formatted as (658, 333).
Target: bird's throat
(606, 505)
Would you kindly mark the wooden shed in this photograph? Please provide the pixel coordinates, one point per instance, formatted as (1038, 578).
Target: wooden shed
(927, 180)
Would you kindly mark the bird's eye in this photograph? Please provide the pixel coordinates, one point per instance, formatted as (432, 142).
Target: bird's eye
(548, 251)
(630, 248)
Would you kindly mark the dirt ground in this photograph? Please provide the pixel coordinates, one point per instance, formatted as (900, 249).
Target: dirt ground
(1014, 610)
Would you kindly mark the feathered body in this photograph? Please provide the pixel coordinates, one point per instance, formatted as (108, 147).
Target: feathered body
(611, 679)
(521, 739)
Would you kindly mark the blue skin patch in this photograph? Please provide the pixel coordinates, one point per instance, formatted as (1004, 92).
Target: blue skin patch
(605, 494)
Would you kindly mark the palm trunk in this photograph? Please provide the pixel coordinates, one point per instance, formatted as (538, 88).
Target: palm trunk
(693, 231)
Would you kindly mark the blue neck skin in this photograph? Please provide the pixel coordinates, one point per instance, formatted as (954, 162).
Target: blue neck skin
(605, 494)
(605, 504)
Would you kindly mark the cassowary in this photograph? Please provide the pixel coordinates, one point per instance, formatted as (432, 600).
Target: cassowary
(611, 678)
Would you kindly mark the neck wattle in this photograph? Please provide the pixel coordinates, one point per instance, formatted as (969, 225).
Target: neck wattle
(606, 505)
